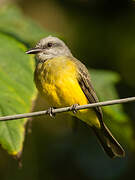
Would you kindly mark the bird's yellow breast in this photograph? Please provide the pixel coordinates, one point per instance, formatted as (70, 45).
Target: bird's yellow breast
(56, 80)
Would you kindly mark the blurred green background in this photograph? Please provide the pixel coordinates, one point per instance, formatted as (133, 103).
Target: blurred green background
(101, 33)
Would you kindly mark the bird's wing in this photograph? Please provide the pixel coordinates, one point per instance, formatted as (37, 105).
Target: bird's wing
(87, 88)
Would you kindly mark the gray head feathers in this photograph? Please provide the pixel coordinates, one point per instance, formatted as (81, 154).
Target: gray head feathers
(50, 47)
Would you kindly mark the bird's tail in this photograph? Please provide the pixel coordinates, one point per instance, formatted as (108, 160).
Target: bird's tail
(108, 142)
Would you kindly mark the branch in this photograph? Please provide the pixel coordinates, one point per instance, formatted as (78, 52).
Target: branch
(66, 109)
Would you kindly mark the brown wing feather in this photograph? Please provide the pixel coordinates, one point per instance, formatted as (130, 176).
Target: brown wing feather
(106, 139)
(87, 88)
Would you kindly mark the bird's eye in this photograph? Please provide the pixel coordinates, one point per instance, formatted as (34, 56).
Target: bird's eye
(49, 45)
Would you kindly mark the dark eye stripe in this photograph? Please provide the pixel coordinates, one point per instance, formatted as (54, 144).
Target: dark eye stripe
(50, 44)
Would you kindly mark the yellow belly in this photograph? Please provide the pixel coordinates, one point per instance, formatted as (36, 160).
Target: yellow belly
(56, 80)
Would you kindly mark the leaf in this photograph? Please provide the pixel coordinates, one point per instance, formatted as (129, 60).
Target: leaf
(16, 75)
(105, 85)
(16, 91)
(16, 25)
(17, 87)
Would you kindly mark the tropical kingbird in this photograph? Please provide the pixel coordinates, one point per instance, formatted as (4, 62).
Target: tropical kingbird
(63, 81)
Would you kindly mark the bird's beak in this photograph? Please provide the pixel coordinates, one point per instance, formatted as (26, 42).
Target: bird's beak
(34, 51)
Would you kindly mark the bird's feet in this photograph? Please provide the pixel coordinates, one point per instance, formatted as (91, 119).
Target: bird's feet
(50, 112)
(73, 108)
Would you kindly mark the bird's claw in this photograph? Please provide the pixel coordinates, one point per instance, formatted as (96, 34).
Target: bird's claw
(50, 112)
(73, 108)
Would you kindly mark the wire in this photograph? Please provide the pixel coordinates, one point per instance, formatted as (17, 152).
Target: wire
(52, 111)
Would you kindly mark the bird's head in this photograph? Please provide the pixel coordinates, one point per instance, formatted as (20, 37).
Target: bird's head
(49, 47)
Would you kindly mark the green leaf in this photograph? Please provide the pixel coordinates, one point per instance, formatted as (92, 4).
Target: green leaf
(16, 91)
(16, 25)
(17, 87)
(117, 120)
(16, 75)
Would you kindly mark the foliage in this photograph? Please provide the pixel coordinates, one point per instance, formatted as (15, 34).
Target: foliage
(16, 80)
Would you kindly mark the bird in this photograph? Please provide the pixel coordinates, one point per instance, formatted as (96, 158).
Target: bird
(63, 80)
